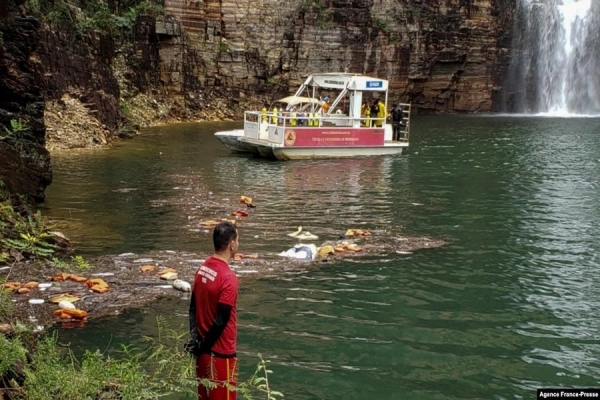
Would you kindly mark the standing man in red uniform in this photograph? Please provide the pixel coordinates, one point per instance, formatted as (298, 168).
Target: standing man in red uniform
(213, 317)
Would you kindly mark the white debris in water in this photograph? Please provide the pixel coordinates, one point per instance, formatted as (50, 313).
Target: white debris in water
(44, 285)
(104, 274)
(3, 268)
(246, 271)
(38, 328)
(182, 285)
(143, 260)
(195, 261)
(126, 254)
(36, 301)
(66, 305)
(164, 286)
(417, 204)
(404, 252)
(170, 251)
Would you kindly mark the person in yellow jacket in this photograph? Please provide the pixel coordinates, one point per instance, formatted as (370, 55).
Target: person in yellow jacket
(274, 115)
(381, 114)
(366, 113)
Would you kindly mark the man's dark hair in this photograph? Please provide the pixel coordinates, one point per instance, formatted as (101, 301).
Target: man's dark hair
(223, 234)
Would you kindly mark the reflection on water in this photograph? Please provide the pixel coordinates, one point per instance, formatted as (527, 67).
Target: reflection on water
(509, 306)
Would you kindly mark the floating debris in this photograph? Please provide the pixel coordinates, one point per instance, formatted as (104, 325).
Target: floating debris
(147, 268)
(63, 297)
(182, 285)
(245, 200)
(357, 232)
(169, 276)
(303, 235)
(301, 251)
(143, 260)
(66, 305)
(166, 271)
(97, 285)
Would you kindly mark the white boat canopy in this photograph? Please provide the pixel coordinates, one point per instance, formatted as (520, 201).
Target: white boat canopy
(293, 100)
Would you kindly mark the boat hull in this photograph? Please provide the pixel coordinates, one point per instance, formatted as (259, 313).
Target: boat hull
(275, 151)
(287, 153)
(230, 139)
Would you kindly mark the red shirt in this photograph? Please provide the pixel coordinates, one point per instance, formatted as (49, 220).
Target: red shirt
(216, 283)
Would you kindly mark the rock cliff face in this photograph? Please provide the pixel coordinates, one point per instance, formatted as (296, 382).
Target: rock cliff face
(81, 92)
(24, 161)
(441, 55)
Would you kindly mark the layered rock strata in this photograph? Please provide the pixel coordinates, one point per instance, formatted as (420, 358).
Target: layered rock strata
(443, 56)
(24, 161)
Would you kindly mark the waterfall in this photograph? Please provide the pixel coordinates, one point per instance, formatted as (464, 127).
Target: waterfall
(555, 60)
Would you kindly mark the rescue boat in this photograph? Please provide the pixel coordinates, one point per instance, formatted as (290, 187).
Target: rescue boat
(309, 125)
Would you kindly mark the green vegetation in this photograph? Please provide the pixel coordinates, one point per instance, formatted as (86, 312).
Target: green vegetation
(23, 234)
(116, 19)
(312, 6)
(380, 24)
(34, 366)
(44, 370)
(16, 126)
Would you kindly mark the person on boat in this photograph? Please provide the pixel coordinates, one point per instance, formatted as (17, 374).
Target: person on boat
(264, 114)
(325, 106)
(213, 317)
(374, 112)
(366, 114)
(381, 114)
(397, 114)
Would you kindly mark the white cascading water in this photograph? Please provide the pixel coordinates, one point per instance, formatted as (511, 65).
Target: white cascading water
(554, 65)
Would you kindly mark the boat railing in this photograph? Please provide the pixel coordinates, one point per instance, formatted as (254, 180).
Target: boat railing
(309, 119)
(259, 122)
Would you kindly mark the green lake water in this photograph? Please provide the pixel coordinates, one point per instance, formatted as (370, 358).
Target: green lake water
(511, 304)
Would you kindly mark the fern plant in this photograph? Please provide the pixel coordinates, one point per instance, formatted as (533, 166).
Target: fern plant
(16, 125)
(32, 244)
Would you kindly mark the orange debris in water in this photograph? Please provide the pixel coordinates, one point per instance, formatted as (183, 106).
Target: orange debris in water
(345, 246)
(23, 290)
(97, 285)
(357, 232)
(147, 268)
(66, 313)
(209, 223)
(240, 256)
(78, 278)
(75, 313)
(245, 200)
(240, 213)
(61, 276)
(10, 286)
(31, 285)
(166, 271)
